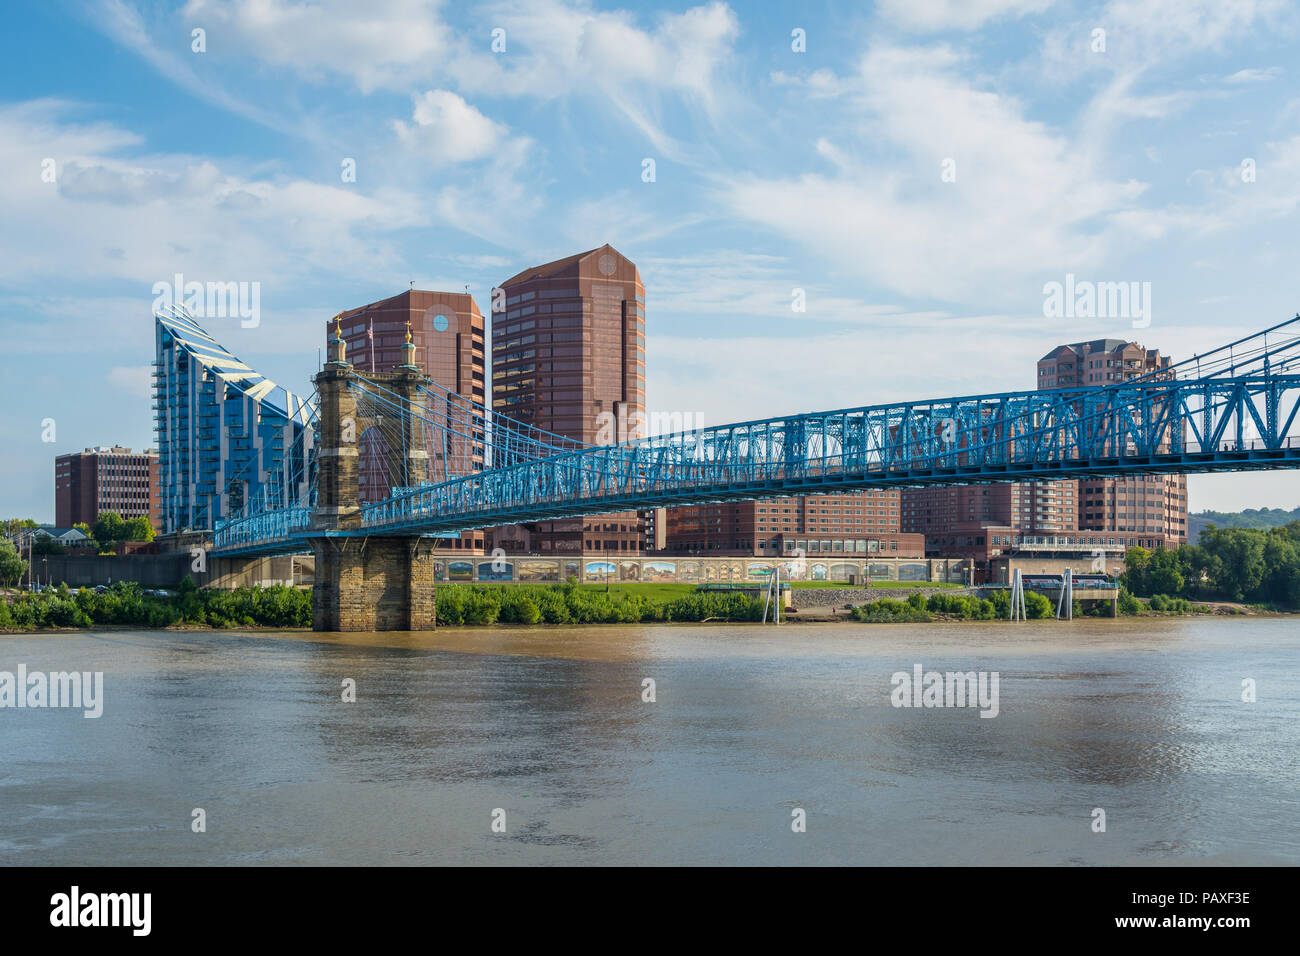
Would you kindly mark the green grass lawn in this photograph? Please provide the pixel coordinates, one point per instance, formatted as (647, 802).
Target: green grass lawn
(649, 589)
(874, 584)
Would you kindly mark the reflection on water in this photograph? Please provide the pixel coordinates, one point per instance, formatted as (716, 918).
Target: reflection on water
(1143, 719)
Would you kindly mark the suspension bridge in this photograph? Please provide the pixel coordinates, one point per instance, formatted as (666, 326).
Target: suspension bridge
(401, 461)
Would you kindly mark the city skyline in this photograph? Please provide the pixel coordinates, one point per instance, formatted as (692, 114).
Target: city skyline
(470, 163)
(355, 334)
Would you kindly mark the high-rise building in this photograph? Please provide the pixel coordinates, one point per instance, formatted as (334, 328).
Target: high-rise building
(568, 357)
(1098, 515)
(227, 436)
(447, 332)
(105, 478)
(1032, 507)
(1143, 504)
(860, 523)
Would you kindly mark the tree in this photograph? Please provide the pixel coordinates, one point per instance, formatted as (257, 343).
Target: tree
(1164, 573)
(1282, 561)
(12, 567)
(1241, 553)
(11, 526)
(1137, 562)
(109, 530)
(139, 529)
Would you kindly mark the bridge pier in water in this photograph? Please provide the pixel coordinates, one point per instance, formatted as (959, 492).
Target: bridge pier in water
(373, 584)
(367, 582)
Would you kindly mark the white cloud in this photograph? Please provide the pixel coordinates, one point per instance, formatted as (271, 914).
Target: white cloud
(1254, 75)
(446, 129)
(143, 218)
(817, 84)
(379, 43)
(555, 48)
(1026, 199)
(739, 378)
(124, 23)
(561, 49)
(499, 205)
(1149, 31)
(1143, 35)
(935, 15)
(760, 288)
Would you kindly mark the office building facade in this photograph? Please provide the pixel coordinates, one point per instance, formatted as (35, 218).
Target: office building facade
(1136, 504)
(568, 357)
(860, 523)
(447, 330)
(1100, 516)
(106, 478)
(228, 437)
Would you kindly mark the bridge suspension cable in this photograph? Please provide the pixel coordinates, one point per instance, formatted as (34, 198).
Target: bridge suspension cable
(1235, 407)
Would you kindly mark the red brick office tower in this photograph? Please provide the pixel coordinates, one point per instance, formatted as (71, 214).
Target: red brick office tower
(447, 330)
(568, 357)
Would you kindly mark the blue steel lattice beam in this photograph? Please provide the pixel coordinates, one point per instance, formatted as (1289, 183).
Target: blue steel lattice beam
(1238, 412)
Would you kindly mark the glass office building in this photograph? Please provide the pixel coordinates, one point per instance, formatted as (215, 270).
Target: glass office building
(227, 436)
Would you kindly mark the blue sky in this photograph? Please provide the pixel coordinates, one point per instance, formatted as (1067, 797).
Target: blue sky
(775, 171)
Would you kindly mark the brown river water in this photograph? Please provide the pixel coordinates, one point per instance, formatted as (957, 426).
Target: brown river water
(1142, 719)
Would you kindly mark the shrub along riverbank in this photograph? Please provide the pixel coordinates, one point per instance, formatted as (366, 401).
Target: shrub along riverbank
(966, 607)
(126, 605)
(574, 604)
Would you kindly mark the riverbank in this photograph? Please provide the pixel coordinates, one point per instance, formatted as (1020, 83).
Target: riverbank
(480, 605)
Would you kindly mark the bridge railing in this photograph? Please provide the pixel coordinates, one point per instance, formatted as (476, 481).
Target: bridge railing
(1003, 431)
(262, 528)
(1241, 399)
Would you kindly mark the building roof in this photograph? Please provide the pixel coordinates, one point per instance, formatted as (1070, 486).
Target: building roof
(203, 348)
(53, 532)
(559, 265)
(1089, 348)
(392, 302)
(110, 450)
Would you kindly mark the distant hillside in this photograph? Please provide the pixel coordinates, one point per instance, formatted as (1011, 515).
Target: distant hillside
(1250, 518)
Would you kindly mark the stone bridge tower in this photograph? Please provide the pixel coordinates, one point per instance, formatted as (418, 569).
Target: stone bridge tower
(366, 582)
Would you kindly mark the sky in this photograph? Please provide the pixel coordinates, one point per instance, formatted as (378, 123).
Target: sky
(831, 204)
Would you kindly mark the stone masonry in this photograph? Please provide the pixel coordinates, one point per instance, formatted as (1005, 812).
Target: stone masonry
(365, 582)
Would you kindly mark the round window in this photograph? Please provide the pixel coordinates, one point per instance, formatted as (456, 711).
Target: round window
(440, 323)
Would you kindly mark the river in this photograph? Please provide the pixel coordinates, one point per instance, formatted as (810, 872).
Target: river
(1143, 719)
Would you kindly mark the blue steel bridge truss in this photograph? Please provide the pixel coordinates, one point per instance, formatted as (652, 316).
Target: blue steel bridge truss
(1233, 409)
